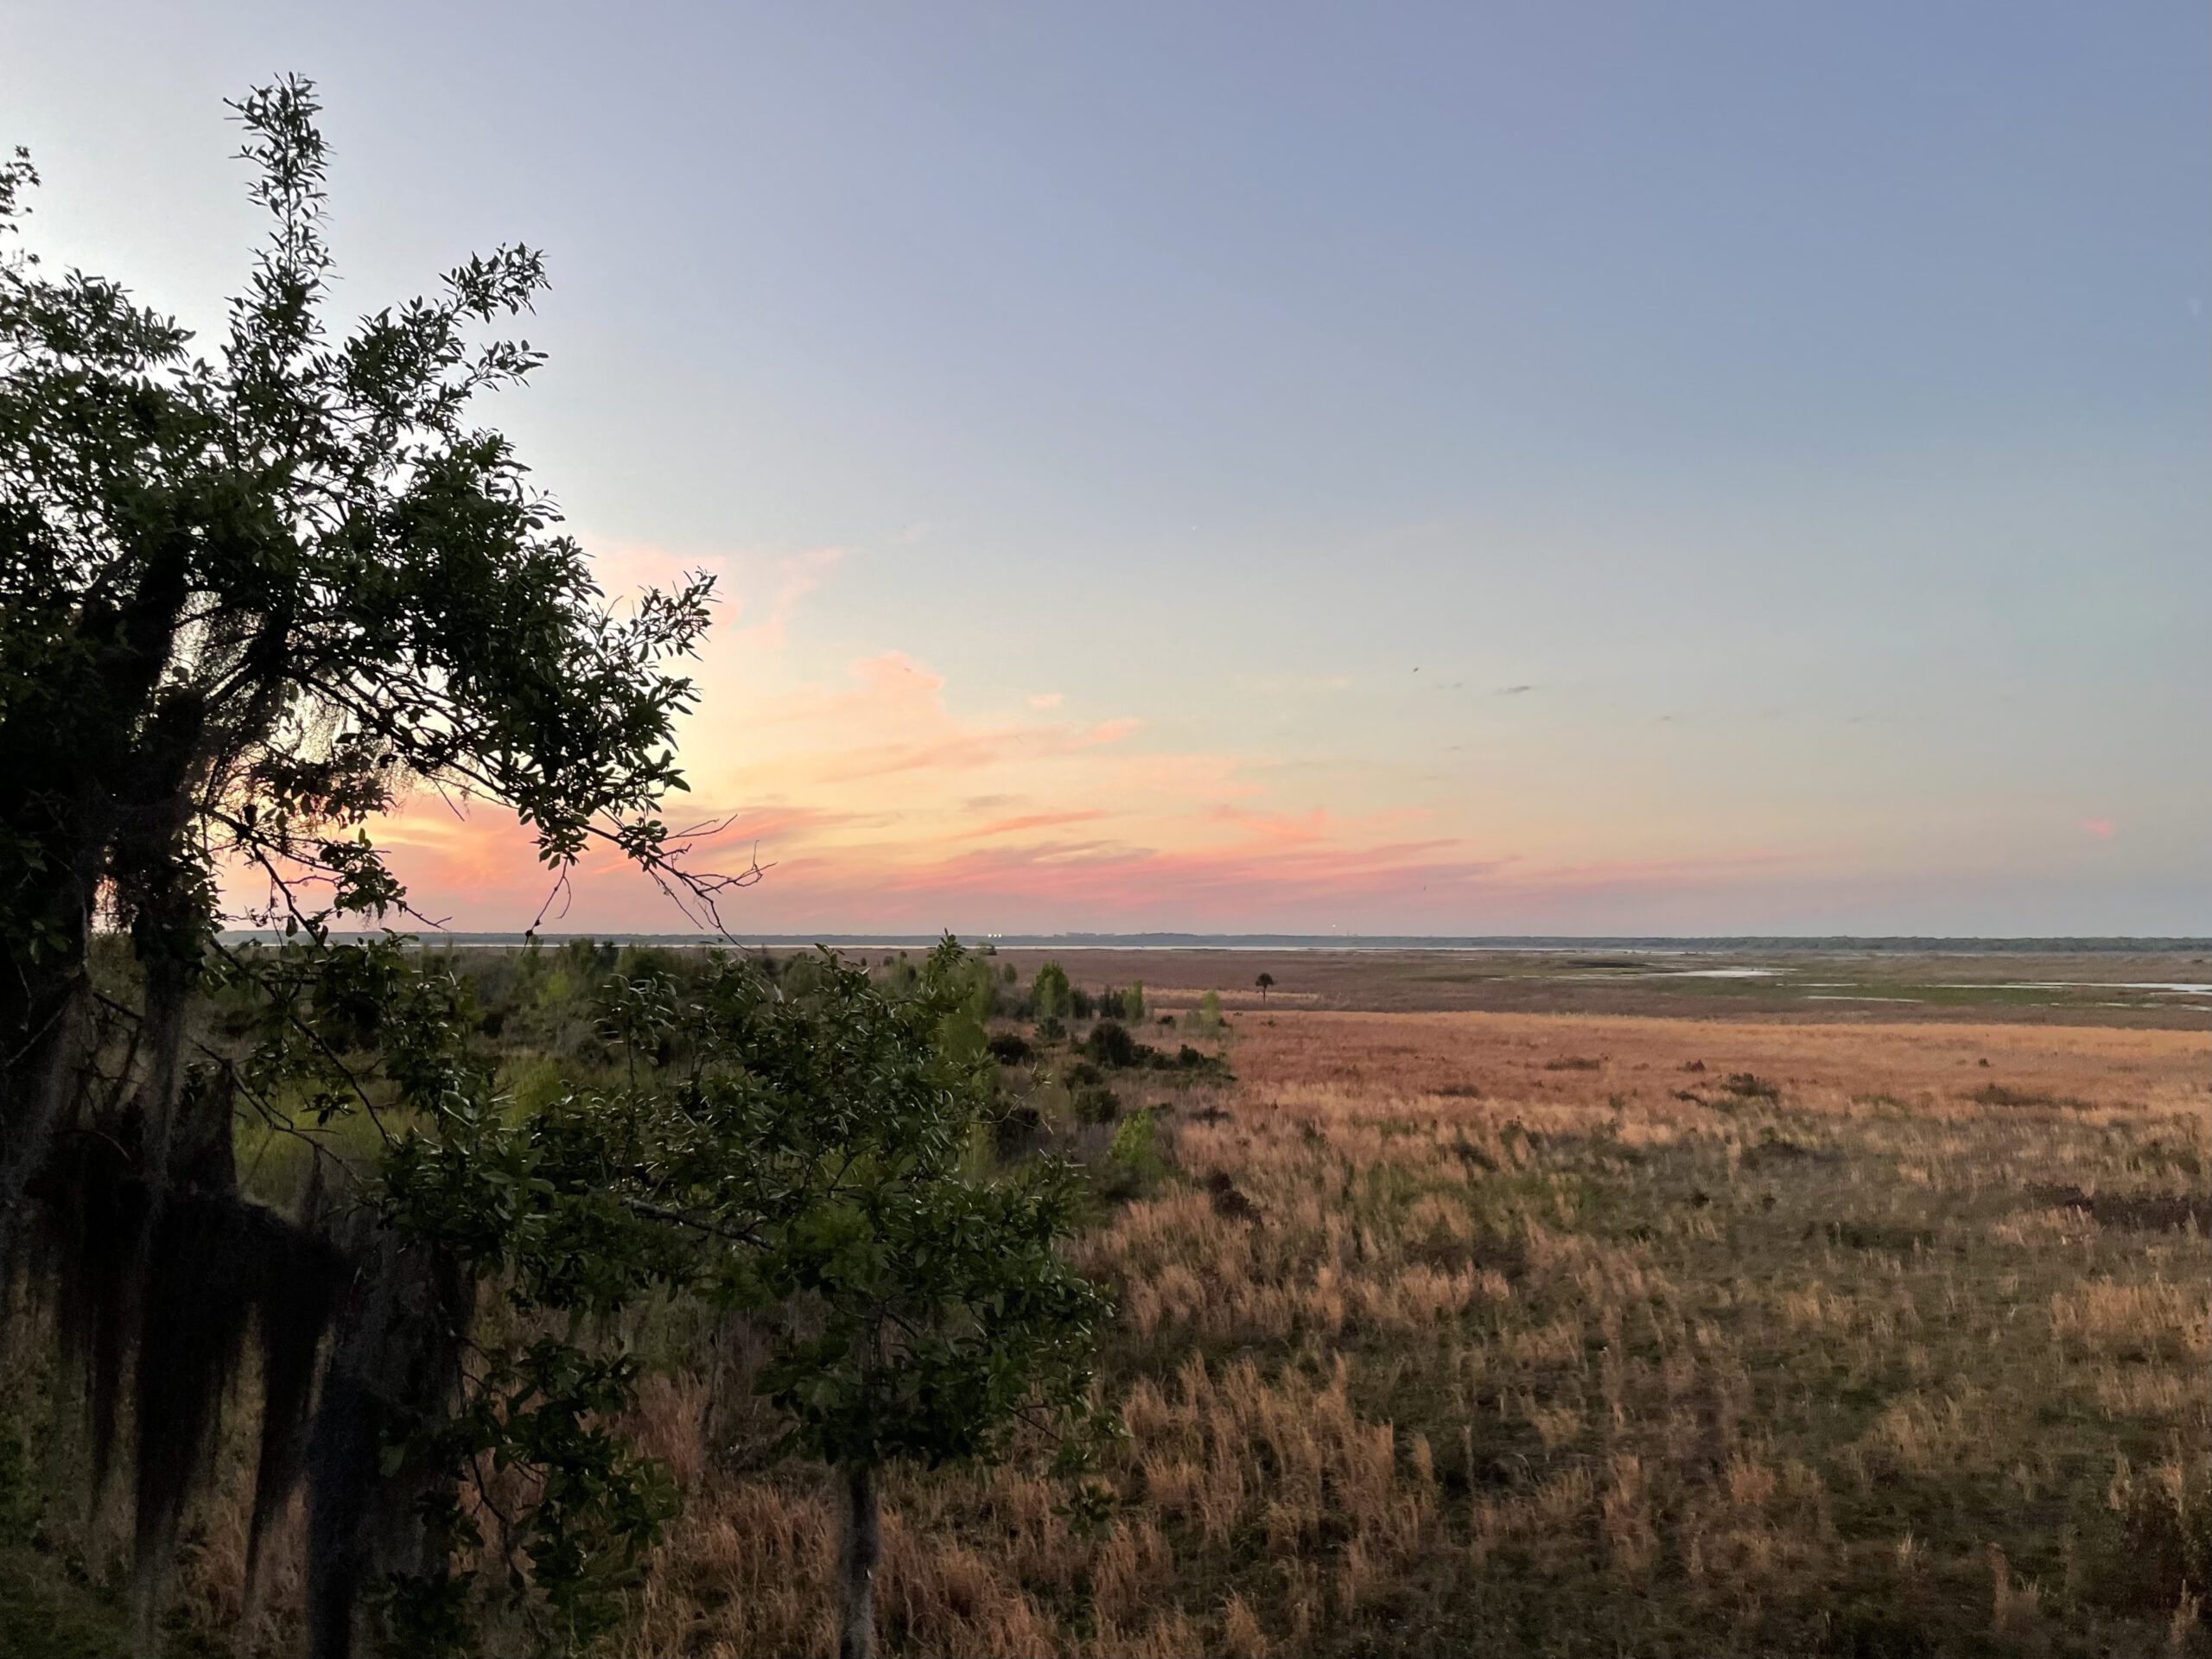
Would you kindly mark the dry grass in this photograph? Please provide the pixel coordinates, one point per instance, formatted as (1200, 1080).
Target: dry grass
(1731, 1337)
(1430, 1341)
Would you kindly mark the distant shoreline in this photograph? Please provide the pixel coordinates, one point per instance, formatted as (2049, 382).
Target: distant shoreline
(1636, 944)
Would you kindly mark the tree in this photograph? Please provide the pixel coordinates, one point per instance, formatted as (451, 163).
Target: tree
(1133, 1001)
(244, 603)
(807, 1157)
(247, 599)
(1051, 997)
(922, 1314)
(1266, 982)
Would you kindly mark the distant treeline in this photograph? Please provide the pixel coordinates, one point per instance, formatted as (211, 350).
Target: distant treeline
(1905, 944)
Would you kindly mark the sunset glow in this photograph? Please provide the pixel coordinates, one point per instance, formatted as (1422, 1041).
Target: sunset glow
(1565, 488)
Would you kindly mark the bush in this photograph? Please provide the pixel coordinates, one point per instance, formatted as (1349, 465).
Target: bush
(1095, 1103)
(2165, 1525)
(1011, 1048)
(1110, 1044)
(1133, 1163)
(1020, 1128)
(1050, 996)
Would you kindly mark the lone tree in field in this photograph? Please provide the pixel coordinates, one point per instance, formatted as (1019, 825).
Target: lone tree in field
(805, 1155)
(921, 1313)
(1266, 982)
(1050, 996)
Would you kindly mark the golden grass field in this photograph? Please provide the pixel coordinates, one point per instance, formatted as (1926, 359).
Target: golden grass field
(1560, 1334)
(1542, 1333)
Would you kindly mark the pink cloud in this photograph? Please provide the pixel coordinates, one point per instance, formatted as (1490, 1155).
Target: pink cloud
(1031, 821)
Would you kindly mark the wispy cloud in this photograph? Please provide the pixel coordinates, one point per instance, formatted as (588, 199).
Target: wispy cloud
(1030, 821)
(879, 797)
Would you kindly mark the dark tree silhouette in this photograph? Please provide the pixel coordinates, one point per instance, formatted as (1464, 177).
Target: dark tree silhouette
(244, 601)
(246, 598)
(1266, 982)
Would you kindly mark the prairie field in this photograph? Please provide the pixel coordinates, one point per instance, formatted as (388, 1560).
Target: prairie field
(1588, 1335)
(1514, 1332)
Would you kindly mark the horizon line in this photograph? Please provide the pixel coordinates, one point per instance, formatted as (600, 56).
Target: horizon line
(1079, 938)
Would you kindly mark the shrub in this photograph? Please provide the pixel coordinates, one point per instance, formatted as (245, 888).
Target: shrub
(1018, 1129)
(1049, 995)
(2165, 1525)
(1110, 1044)
(1095, 1103)
(1132, 1162)
(1996, 1094)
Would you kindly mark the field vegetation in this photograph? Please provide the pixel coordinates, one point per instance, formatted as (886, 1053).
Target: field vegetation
(1551, 1334)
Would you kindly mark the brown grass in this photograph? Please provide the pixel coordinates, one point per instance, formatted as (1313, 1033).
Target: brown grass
(1430, 1342)
(1577, 1359)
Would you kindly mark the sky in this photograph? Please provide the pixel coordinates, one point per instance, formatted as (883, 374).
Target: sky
(1481, 468)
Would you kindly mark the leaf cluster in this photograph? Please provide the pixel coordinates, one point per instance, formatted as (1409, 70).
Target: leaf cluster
(804, 1146)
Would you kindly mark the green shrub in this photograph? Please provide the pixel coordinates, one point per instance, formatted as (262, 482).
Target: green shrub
(1133, 1161)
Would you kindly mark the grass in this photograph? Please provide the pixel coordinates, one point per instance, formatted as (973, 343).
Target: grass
(1437, 1334)
(1493, 1353)
(44, 1615)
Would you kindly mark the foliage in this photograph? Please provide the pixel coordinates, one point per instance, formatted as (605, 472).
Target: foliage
(251, 597)
(1110, 1044)
(1134, 1162)
(800, 1150)
(1051, 997)
(246, 600)
(248, 596)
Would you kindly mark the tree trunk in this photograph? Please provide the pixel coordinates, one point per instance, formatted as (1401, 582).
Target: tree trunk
(856, 1564)
(41, 1022)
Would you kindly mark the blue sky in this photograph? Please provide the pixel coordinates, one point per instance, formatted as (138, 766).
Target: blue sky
(1174, 432)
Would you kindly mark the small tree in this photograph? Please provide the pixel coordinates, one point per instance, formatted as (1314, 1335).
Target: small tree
(1051, 997)
(920, 1313)
(1208, 1012)
(1133, 1001)
(1266, 982)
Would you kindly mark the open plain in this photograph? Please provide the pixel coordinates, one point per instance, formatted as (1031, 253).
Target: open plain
(1590, 1333)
